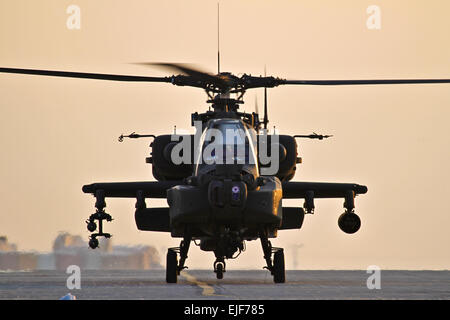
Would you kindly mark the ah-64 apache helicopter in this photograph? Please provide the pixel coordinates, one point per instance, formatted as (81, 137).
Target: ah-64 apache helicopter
(222, 204)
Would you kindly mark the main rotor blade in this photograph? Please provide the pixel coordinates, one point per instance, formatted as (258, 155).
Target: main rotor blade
(361, 82)
(83, 75)
(190, 71)
(183, 68)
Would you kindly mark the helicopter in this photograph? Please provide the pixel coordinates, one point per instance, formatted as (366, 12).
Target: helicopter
(224, 184)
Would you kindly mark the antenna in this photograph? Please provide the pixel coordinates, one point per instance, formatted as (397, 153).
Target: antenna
(266, 119)
(218, 39)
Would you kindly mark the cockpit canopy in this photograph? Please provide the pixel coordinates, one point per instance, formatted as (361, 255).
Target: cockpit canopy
(227, 141)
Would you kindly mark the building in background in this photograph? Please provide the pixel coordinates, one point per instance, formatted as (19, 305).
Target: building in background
(11, 259)
(73, 250)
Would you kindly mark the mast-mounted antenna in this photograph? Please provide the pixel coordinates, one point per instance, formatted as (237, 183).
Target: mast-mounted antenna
(266, 118)
(218, 39)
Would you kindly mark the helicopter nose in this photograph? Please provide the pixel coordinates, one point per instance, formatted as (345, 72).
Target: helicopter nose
(223, 193)
(235, 193)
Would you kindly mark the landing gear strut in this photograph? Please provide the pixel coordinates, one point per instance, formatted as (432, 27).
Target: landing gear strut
(173, 267)
(219, 268)
(227, 244)
(276, 267)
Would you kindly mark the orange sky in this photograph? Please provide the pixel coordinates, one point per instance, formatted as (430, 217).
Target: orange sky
(58, 134)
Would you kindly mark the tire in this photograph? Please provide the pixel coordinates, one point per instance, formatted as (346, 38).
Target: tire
(219, 271)
(279, 274)
(171, 267)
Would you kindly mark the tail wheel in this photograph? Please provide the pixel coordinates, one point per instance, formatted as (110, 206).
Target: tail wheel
(219, 271)
(171, 267)
(279, 274)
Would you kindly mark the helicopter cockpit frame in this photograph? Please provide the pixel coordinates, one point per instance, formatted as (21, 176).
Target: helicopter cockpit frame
(227, 141)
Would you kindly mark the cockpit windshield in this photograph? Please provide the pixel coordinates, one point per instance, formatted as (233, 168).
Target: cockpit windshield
(227, 141)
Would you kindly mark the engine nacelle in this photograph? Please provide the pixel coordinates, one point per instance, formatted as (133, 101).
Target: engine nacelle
(163, 167)
(287, 156)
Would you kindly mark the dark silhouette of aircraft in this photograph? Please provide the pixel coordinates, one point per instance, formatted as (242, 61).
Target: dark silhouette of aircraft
(221, 198)
(224, 185)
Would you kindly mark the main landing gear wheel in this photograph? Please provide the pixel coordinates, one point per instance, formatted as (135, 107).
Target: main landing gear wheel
(279, 274)
(171, 266)
(276, 267)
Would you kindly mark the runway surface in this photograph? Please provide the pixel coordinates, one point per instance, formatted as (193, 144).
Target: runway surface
(245, 284)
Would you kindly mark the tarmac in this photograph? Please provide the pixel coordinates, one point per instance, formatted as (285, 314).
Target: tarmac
(236, 285)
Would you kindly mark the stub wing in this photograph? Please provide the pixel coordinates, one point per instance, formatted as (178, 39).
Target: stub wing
(311, 190)
(147, 189)
(296, 190)
(150, 219)
(349, 221)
